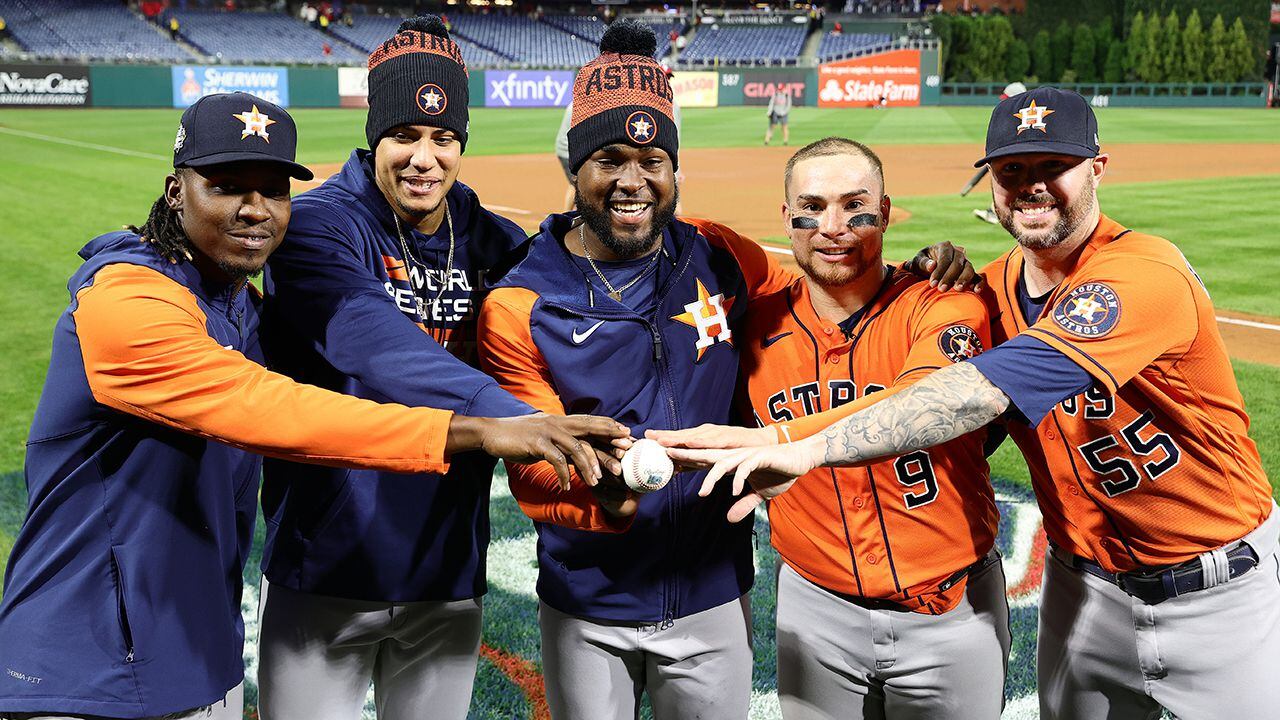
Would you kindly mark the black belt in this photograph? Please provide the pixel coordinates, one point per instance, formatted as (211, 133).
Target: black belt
(878, 604)
(1155, 585)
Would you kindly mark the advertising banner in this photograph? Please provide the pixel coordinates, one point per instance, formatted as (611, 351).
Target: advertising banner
(44, 85)
(528, 88)
(757, 88)
(696, 89)
(889, 78)
(190, 83)
(353, 87)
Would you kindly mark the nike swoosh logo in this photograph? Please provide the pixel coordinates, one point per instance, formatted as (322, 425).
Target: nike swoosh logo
(771, 340)
(578, 339)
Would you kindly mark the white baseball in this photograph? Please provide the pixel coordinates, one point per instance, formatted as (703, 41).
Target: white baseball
(646, 467)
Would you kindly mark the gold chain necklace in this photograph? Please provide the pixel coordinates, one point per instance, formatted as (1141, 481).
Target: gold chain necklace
(615, 293)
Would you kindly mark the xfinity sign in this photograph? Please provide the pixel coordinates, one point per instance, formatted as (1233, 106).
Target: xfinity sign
(524, 88)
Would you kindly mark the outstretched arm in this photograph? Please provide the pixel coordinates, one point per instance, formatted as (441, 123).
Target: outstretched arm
(947, 404)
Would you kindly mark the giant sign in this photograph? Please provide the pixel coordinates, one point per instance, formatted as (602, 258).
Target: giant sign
(889, 78)
(44, 85)
(528, 88)
(696, 89)
(190, 83)
(757, 88)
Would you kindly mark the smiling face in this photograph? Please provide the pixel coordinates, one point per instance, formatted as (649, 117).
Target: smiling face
(627, 196)
(839, 204)
(415, 166)
(1045, 200)
(234, 214)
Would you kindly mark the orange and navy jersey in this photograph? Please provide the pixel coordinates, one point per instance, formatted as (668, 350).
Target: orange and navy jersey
(123, 589)
(669, 362)
(1153, 465)
(900, 529)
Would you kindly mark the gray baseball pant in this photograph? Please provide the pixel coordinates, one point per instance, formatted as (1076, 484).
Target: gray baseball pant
(1206, 655)
(318, 654)
(841, 659)
(230, 707)
(698, 666)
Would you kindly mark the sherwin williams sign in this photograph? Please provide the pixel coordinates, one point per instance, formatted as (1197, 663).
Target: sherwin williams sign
(893, 76)
(190, 83)
(353, 87)
(528, 88)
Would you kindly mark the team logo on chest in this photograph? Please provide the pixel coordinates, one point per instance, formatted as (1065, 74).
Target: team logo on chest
(1089, 311)
(709, 315)
(959, 342)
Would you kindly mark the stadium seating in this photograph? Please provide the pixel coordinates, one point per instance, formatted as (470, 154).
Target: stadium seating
(261, 37)
(85, 29)
(524, 40)
(835, 47)
(369, 31)
(745, 45)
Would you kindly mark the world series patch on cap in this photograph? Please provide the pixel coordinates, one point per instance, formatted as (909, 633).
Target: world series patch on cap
(1044, 120)
(237, 127)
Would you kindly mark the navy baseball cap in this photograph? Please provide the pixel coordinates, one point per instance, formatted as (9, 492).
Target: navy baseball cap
(1044, 120)
(234, 127)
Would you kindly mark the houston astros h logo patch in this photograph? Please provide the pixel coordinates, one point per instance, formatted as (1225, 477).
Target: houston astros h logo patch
(255, 123)
(709, 315)
(641, 128)
(959, 342)
(1032, 117)
(431, 99)
(1089, 311)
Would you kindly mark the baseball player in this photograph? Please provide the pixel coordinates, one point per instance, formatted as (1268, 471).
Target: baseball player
(122, 594)
(891, 597)
(629, 311)
(375, 576)
(779, 111)
(1161, 586)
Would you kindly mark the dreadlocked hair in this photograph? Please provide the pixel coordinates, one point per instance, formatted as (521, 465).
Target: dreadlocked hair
(163, 229)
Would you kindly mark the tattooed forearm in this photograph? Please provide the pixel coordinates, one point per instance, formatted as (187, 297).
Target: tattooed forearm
(947, 404)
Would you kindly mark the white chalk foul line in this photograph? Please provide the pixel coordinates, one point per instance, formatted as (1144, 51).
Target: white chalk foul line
(79, 144)
(1229, 321)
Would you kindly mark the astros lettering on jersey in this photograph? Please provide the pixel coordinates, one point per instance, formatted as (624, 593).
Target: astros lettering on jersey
(902, 529)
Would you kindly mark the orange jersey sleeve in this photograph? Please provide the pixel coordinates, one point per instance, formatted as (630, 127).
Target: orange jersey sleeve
(147, 353)
(761, 271)
(1119, 314)
(508, 353)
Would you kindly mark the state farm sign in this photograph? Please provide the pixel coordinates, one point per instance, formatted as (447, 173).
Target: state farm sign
(863, 81)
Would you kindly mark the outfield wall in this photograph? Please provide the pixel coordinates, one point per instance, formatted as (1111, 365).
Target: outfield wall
(896, 78)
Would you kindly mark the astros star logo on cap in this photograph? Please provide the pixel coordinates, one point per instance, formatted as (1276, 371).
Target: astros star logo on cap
(431, 99)
(641, 128)
(1032, 117)
(255, 123)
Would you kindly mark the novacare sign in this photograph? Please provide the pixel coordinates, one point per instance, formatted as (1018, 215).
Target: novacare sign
(526, 88)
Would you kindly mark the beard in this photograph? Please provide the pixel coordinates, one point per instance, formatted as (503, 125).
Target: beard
(1072, 216)
(597, 218)
(830, 275)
